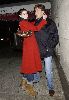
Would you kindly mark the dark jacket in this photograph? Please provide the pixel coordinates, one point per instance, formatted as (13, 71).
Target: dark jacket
(42, 38)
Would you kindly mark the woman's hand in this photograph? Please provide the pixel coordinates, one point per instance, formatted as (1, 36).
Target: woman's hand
(44, 16)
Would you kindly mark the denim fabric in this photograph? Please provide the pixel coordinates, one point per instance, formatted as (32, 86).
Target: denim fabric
(36, 77)
(49, 72)
(29, 77)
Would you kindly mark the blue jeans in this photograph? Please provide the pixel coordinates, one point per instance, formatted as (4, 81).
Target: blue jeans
(49, 72)
(36, 77)
(29, 77)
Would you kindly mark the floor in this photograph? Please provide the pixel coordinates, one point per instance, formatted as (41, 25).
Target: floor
(10, 80)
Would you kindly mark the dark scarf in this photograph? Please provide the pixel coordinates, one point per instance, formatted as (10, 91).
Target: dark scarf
(37, 21)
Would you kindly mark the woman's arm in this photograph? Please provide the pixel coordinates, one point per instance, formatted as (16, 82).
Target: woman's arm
(29, 26)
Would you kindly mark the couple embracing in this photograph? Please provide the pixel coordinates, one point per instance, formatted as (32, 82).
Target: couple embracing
(35, 47)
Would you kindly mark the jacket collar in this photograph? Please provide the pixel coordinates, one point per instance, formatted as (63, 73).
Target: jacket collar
(37, 21)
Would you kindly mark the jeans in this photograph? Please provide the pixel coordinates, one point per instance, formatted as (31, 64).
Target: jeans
(29, 77)
(49, 73)
(36, 77)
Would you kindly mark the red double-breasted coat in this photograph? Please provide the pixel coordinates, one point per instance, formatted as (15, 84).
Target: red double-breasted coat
(31, 62)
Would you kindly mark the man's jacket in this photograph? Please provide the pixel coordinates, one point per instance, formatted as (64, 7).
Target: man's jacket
(44, 38)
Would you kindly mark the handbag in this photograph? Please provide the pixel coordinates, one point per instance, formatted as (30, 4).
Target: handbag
(23, 33)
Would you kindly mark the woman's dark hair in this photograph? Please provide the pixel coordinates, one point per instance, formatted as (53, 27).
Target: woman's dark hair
(40, 6)
(21, 10)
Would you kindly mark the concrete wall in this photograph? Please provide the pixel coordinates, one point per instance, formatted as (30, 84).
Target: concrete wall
(60, 13)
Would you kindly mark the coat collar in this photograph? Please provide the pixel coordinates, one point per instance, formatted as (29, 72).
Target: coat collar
(37, 21)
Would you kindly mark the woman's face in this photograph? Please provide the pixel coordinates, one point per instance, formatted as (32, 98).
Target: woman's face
(24, 15)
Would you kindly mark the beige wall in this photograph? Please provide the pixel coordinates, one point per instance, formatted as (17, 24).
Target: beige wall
(60, 13)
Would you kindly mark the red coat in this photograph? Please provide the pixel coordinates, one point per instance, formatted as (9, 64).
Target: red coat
(31, 62)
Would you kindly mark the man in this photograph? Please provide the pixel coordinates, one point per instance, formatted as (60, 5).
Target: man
(44, 50)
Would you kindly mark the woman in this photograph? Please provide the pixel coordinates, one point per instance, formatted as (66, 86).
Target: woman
(31, 62)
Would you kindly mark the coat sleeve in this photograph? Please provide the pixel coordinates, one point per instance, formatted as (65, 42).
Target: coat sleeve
(29, 26)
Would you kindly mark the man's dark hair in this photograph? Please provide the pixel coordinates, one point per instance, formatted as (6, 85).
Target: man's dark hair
(40, 6)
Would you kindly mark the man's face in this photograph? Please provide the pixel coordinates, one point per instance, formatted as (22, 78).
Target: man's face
(38, 13)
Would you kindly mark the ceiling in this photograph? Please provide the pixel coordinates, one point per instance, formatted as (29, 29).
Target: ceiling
(12, 1)
(2, 2)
